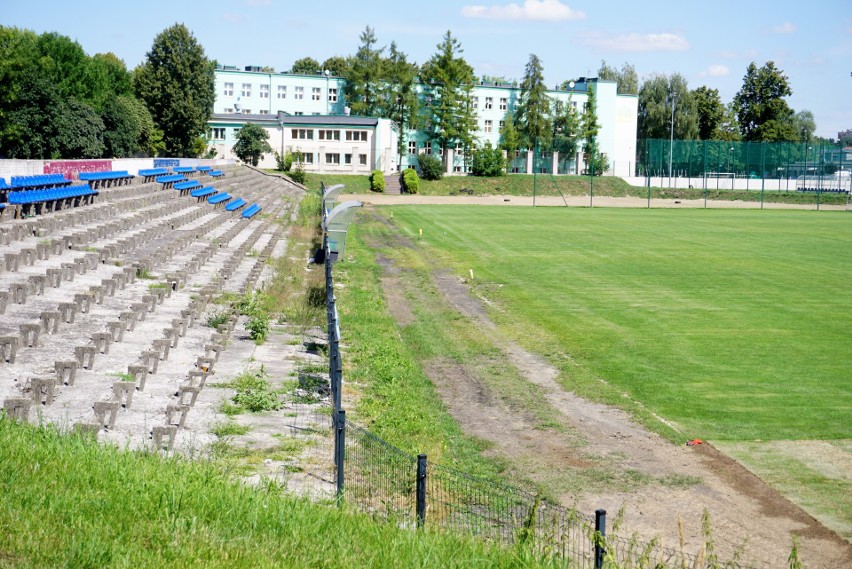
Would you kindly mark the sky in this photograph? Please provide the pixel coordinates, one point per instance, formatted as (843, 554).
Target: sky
(709, 43)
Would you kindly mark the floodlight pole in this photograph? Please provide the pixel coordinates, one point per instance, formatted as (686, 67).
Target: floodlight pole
(535, 152)
(671, 143)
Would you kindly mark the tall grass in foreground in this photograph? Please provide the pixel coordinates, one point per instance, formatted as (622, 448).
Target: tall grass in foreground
(67, 501)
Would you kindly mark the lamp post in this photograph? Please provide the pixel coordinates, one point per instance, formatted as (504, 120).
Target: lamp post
(671, 142)
(326, 73)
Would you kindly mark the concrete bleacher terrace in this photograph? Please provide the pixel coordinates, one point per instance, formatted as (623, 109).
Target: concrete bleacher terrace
(104, 307)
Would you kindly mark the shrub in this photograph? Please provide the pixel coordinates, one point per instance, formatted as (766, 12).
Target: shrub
(298, 175)
(284, 162)
(377, 181)
(431, 167)
(410, 181)
(488, 161)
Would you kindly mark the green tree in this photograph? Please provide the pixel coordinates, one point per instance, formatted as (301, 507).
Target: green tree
(533, 110)
(431, 167)
(365, 77)
(710, 110)
(31, 125)
(448, 115)
(400, 93)
(728, 128)
(762, 112)
(566, 127)
(252, 143)
(589, 128)
(305, 66)
(488, 161)
(79, 131)
(658, 95)
(510, 139)
(627, 79)
(130, 130)
(176, 83)
(805, 125)
(335, 66)
(106, 78)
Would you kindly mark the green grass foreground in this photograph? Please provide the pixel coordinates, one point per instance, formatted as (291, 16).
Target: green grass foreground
(732, 324)
(66, 501)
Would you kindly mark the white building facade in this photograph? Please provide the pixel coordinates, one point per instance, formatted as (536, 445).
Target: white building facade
(280, 101)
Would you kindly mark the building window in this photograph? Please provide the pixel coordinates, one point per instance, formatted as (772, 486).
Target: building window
(315, 94)
(282, 91)
(329, 135)
(427, 148)
(489, 102)
(440, 151)
(300, 93)
(246, 91)
(332, 95)
(264, 91)
(308, 157)
(332, 158)
(246, 111)
(229, 111)
(504, 103)
(476, 102)
(459, 148)
(502, 125)
(412, 147)
(298, 113)
(488, 126)
(303, 134)
(356, 135)
(347, 159)
(229, 90)
(264, 111)
(574, 105)
(362, 159)
(218, 133)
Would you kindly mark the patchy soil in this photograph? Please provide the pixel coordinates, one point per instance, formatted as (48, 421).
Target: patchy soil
(669, 482)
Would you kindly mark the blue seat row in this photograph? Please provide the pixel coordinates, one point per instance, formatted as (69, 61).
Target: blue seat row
(107, 175)
(182, 169)
(39, 181)
(202, 168)
(216, 173)
(219, 198)
(251, 210)
(3, 184)
(188, 185)
(38, 196)
(171, 178)
(154, 172)
(203, 192)
(235, 204)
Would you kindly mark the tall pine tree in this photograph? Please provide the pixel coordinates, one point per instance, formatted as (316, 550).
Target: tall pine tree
(533, 111)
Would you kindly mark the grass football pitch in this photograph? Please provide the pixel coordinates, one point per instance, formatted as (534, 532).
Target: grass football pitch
(732, 325)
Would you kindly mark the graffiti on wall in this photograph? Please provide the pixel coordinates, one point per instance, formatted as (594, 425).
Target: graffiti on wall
(72, 168)
(166, 162)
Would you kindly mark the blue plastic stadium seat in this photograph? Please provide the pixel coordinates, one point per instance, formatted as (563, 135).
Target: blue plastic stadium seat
(251, 210)
(235, 205)
(171, 178)
(216, 173)
(219, 198)
(202, 168)
(203, 192)
(188, 185)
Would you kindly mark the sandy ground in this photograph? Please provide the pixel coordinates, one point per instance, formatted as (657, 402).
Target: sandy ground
(573, 201)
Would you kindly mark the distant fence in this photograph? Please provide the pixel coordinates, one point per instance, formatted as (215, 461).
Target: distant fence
(405, 489)
(719, 164)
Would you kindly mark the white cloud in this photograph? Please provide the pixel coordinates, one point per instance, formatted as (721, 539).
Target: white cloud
(537, 10)
(785, 28)
(716, 71)
(638, 42)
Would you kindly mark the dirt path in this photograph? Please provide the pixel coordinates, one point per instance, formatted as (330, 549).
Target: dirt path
(742, 508)
(574, 201)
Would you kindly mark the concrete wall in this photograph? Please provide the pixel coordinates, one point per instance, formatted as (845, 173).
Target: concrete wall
(783, 184)
(72, 168)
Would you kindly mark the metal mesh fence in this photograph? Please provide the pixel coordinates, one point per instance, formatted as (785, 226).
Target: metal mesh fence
(719, 164)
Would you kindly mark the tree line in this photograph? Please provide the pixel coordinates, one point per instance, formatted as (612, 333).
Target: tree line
(59, 102)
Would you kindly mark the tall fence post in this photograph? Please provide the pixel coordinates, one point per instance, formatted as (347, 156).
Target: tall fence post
(421, 490)
(600, 534)
(339, 450)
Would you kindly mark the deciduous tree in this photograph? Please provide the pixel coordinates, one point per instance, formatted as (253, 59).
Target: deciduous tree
(762, 111)
(659, 93)
(252, 143)
(176, 83)
(305, 66)
(627, 79)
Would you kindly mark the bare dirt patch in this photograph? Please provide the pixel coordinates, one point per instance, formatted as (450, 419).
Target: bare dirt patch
(672, 481)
